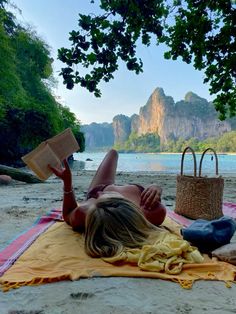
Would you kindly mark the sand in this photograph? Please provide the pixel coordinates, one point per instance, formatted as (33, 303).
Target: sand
(22, 203)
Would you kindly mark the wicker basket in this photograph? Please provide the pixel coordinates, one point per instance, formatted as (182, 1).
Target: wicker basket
(197, 196)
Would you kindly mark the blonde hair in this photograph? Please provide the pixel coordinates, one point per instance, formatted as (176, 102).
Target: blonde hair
(113, 224)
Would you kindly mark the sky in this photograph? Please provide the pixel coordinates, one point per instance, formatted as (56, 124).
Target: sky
(127, 92)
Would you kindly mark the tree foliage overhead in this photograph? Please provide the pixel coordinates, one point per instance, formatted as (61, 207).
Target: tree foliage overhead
(199, 32)
(29, 112)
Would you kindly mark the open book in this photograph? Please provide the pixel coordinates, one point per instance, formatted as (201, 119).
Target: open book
(51, 152)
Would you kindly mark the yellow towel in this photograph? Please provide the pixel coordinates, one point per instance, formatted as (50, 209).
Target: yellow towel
(58, 254)
(167, 254)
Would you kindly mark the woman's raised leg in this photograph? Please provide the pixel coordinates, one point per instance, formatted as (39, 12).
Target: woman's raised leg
(106, 172)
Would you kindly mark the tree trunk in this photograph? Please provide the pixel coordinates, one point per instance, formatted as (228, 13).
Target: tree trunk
(19, 175)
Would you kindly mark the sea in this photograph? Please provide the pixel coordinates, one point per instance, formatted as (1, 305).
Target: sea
(161, 162)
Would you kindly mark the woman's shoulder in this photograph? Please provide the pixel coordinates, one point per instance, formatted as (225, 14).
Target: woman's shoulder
(77, 217)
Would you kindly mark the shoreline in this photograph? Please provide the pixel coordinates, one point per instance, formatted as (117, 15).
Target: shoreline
(159, 153)
(161, 163)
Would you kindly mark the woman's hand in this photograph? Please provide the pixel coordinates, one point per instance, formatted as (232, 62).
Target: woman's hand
(151, 196)
(64, 174)
(153, 210)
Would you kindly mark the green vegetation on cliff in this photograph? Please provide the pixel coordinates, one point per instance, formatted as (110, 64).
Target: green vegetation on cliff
(29, 113)
(150, 143)
(224, 143)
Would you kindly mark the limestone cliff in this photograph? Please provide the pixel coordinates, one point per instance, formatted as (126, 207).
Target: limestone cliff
(192, 117)
(122, 128)
(98, 135)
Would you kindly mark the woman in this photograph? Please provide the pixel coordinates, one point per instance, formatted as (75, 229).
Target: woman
(112, 216)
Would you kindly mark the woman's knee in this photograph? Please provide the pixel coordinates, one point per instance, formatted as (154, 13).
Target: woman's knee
(113, 153)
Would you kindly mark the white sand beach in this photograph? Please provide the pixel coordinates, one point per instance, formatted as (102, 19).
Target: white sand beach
(22, 203)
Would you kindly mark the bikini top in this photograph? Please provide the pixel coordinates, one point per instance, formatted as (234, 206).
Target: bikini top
(93, 193)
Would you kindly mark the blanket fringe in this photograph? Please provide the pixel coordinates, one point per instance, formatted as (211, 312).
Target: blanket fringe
(228, 284)
(6, 285)
(184, 283)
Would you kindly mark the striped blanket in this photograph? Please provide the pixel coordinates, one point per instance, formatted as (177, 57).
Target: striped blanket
(18, 246)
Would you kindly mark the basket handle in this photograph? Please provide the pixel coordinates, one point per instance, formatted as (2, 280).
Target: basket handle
(194, 160)
(216, 158)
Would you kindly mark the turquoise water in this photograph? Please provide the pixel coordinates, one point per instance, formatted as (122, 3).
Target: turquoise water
(166, 163)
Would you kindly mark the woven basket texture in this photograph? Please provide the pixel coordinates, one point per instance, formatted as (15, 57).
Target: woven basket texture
(199, 197)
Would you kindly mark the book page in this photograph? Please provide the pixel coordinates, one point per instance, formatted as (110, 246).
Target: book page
(52, 152)
(39, 159)
(33, 153)
(63, 144)
(39, 163)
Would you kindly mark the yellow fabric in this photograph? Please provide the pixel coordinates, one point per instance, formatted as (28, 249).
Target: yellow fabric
(58, 254)
(167, 254)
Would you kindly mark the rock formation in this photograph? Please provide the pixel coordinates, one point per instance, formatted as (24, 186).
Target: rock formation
(98, 135)
(192, 117)
(122, 128)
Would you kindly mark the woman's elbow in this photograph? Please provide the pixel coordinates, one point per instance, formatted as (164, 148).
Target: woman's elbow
(157, 215)
(66, 218)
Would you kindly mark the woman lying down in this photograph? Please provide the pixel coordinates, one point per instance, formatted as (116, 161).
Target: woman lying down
(122, 222)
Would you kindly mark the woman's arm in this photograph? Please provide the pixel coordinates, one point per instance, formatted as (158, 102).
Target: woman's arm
(76, 218)
(74, 214)
(69, 201)
(69, 204)
(156, 214)
(151, 195)
(153, 210)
